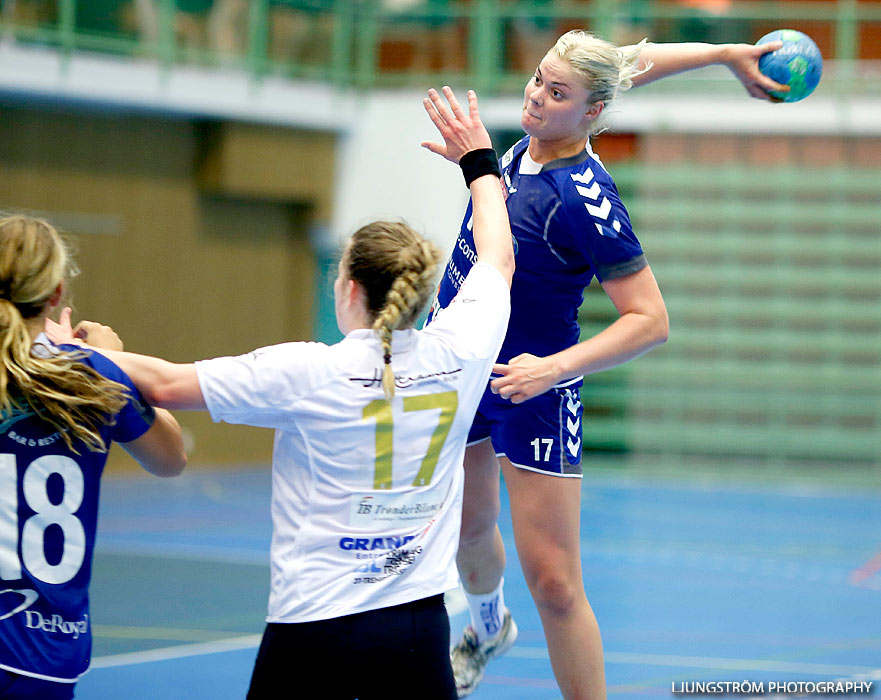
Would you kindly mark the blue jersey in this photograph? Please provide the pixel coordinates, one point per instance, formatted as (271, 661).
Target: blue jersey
(569, 226)
(48, 514)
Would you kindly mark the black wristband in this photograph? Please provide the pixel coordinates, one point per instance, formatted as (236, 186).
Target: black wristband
(481, 161)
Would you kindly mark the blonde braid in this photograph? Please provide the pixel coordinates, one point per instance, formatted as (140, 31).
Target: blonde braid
(393, 254)
(401, 298)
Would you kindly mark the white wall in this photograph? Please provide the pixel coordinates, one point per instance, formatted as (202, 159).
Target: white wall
(383, 172)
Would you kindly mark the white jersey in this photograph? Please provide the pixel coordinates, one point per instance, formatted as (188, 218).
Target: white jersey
(366, 494)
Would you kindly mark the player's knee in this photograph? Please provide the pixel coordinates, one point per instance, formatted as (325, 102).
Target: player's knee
(555, 592)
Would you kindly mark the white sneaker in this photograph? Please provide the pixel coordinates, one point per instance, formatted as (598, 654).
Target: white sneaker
(469, 659)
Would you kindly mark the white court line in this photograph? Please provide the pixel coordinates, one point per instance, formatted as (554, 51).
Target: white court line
(455, 604)
(774, 666)
(188, 552)
(181, 651)
(616, 657)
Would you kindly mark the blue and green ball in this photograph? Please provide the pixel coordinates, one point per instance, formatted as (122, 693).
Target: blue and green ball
(798, 63)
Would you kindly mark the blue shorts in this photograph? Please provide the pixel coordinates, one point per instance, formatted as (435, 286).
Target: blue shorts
(542, 434)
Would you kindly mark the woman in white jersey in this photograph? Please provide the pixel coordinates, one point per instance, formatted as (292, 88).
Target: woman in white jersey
(570, 225)
(370, 433)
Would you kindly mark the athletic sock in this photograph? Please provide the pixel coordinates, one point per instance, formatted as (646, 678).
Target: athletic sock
(487, 612)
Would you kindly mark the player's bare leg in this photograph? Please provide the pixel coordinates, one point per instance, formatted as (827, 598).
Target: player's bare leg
(546, 514)
(481, 555)
(481, 561)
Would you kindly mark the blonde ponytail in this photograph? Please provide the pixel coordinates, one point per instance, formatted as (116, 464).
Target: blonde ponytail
(396, 267)
(59, 388)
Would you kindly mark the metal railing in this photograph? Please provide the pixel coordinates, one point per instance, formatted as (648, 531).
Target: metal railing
(771, 281)
(367, 43)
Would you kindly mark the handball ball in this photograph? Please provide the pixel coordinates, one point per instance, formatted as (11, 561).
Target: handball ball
(797, 63)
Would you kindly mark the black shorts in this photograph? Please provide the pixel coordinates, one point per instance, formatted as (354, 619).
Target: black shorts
(395, 653)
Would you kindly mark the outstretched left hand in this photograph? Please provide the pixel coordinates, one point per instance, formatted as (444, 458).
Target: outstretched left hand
(90, 333)
(462, 131)
(743, 61)
(524, 377)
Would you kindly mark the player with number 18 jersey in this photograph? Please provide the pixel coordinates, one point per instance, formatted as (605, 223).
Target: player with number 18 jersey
(48, 516)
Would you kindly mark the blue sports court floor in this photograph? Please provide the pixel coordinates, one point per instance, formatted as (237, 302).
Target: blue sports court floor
(694, 575)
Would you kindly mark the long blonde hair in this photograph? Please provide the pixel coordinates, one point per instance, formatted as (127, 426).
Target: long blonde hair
(57, 387)
(607, 69)
(397, 268)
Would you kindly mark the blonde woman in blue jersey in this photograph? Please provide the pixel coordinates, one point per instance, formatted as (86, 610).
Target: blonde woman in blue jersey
(370, 433)
(569, 226)
(61, 407)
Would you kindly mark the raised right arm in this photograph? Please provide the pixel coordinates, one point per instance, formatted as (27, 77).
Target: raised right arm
(741, 59)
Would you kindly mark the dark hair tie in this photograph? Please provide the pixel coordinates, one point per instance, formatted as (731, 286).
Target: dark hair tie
(387, 358)
(30, 310)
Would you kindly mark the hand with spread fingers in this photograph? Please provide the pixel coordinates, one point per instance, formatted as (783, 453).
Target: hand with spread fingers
(462, 132)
